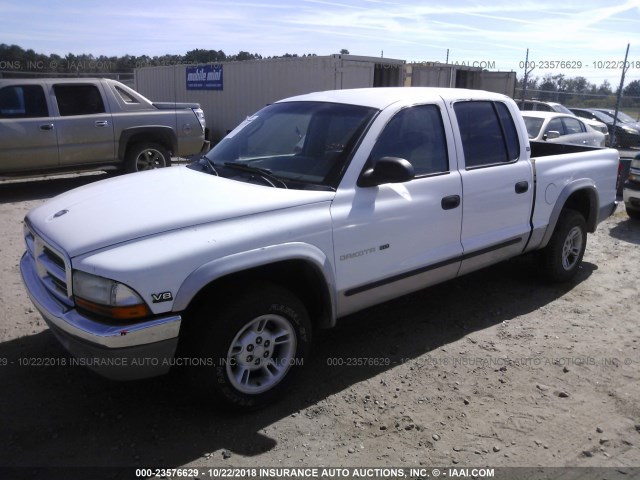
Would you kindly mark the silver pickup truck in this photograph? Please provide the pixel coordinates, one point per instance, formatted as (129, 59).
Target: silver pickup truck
(50, 125)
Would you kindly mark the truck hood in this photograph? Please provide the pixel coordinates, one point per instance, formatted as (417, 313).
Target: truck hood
(146, 203)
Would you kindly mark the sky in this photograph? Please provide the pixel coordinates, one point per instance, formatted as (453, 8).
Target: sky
(589, 36)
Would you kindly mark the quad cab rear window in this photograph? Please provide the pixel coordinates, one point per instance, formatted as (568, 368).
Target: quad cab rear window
(489, 135)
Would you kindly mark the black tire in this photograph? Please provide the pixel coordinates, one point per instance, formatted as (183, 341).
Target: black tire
(561, 258)
(146, 156)
(635, 214)
(250, 348)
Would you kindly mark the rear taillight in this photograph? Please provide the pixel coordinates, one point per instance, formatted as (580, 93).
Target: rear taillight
(200, 116)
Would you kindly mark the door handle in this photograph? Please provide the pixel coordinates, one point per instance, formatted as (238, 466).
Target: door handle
(522, 187)
(450, 202)
(46, 126)
(102, 123)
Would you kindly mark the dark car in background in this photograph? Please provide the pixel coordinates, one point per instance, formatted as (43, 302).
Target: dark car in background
(627, 129)
(631, 192)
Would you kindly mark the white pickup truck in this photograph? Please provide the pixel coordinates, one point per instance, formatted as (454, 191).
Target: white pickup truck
(313, 208)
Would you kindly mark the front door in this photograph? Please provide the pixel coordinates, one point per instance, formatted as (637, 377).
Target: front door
(397, 237)
(27, 130)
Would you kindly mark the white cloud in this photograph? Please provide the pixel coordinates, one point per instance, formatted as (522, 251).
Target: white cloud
(418, 30)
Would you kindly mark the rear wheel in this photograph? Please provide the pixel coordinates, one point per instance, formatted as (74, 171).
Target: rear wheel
(248, 350)
(146, 156)
(562, 256)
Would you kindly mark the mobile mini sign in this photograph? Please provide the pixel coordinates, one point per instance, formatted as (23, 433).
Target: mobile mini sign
(204, 77)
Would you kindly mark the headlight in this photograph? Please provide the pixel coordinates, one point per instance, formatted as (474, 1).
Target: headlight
(107, 297)
(635, 163)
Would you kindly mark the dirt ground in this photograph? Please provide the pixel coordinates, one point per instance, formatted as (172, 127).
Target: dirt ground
(493, 369)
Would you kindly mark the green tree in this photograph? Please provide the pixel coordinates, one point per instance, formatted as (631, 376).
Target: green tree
(577, 85)
(633, 89)
(204, 56)
(605, 88)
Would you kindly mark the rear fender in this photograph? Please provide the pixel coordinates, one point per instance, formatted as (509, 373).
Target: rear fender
(587, 205)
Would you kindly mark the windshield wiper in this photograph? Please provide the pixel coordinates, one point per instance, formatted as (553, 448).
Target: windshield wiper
(209, 164)
(266, 175)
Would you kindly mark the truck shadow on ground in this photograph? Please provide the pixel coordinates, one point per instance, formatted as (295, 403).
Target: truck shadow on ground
(39, 188)
(68, 416)
(627, 231)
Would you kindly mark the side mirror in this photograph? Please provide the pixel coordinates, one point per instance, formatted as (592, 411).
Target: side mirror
(550, 135)
(387, 170)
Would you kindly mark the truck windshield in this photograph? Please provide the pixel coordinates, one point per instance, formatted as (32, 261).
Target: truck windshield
(304, 144)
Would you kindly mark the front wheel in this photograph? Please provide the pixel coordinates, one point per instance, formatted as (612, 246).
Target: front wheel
(248, 350)
(146, 156)
(561, 258)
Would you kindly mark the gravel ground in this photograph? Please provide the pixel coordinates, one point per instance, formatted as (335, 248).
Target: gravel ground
(493, 369)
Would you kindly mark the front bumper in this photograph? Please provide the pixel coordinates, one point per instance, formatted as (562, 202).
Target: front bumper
(631, 195)
(120, 352)
(628, 139)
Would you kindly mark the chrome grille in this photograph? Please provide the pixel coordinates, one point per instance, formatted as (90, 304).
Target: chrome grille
(52, 267)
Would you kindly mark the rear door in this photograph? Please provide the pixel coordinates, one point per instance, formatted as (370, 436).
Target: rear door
(85, 127)
(497, 181)
(27, 131)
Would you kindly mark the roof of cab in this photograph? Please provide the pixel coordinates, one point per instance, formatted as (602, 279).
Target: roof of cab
(382, 97)
(40, 81)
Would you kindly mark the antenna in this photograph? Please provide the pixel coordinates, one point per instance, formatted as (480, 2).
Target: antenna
(625, 67)
(527, 71)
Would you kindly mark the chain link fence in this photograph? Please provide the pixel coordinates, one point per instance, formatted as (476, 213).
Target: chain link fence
(628, 104)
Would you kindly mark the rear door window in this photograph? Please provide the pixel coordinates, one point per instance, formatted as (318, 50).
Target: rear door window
(78, 100)
(509, 131)
(489, 136)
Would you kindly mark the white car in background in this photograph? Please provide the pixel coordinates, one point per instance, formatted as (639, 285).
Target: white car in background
(559, 108)
(561, 128)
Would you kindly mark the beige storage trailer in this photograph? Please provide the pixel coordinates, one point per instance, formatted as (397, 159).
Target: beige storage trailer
(454, 76)
(247, 86)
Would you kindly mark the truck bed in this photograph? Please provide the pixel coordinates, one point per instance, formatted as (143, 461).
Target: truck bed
(544, 149)
(559, 168)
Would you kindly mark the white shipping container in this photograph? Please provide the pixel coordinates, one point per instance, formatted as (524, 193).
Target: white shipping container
(453, 76)
(250, 85)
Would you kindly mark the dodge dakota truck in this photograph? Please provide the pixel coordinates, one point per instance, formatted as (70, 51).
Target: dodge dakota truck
(57, 125)
(313, 208)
